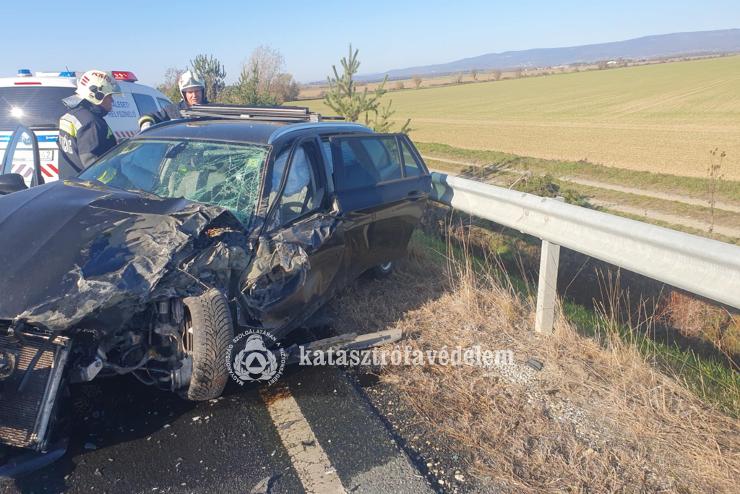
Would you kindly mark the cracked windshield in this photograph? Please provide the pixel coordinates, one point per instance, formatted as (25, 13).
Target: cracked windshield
(225, 175)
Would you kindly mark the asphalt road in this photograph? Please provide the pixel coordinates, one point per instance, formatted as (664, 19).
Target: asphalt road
(313, 431)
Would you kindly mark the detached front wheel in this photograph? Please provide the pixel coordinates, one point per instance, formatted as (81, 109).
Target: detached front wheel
(209, 331)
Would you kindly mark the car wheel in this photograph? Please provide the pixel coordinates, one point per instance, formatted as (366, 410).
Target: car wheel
(382, 270)
(209, 331)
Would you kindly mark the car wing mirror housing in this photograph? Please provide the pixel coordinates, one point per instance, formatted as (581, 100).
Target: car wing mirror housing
(11, 182)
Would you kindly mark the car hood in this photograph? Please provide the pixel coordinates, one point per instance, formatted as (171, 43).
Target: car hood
(70, 251)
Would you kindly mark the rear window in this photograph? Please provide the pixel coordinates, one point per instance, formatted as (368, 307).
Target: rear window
(32, 106)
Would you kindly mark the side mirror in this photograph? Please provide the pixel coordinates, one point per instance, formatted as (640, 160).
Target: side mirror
(11, 182)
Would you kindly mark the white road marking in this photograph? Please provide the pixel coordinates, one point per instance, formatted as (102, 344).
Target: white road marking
(308, 457)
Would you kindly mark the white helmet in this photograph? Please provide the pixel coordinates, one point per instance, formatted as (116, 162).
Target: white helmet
(95, 85)
(190, 79)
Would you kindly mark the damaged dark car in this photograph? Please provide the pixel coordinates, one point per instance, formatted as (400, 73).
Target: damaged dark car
(154, 258)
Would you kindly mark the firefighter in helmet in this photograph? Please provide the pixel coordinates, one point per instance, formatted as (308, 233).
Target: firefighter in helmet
(193, 92)
(84, 135)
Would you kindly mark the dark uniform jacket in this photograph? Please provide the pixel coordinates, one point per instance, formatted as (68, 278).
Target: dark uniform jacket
(83, 137)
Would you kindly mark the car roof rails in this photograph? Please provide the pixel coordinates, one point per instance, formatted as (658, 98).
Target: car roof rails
(262, 113)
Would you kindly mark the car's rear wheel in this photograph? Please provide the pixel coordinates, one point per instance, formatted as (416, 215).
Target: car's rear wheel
(383, 270)
(209, 331)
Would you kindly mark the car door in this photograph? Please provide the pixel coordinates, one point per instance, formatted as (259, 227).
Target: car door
(22, 157)
(381, 184)
(299, 256)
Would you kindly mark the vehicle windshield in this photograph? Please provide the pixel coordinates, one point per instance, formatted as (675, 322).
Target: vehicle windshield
(32, 106)
(219, 174)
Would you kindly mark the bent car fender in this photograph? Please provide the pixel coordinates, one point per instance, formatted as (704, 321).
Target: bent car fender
(294, 270)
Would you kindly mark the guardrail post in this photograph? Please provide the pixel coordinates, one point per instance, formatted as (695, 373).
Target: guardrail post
(547, 286)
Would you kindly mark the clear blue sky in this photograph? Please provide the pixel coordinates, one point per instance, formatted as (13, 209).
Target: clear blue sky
(149, 36)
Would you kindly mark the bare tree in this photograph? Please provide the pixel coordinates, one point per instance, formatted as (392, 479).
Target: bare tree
(459, 78)
(400, 85)
(496, 75)
(269, 63)
(286, 88)
(169, 86)
(417, 81)
(263, 80)
(474, 74)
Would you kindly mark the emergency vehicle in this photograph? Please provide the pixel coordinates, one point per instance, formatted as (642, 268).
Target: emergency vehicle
(36, 103)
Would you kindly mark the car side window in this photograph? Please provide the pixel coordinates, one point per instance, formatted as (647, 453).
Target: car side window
(365, 161)
(326, 152)
(163, 103)
(411, 166)
(302, 193)
(328, 164)
(145, 104)
(384, 154)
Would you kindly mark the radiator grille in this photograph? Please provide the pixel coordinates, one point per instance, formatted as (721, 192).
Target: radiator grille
(24, 414)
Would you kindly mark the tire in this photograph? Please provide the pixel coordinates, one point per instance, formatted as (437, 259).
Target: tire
(382, 270)
(209, 332)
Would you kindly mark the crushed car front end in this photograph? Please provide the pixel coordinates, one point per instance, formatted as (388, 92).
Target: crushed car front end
(97, 280)
(153, 259)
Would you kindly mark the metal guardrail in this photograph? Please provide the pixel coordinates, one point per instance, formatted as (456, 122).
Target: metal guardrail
(699, 265)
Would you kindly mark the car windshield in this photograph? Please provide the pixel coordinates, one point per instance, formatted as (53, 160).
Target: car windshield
(220, 174)
(32, 106)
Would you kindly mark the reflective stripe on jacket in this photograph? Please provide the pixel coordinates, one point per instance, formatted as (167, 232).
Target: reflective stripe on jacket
(84, 136)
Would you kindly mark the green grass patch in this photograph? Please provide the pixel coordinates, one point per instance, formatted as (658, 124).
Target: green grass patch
(728, 190)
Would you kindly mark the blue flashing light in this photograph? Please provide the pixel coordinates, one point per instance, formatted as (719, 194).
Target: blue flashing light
(24, 73)
(67, 73)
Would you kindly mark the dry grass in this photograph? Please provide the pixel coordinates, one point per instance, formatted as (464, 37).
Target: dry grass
(597, 418)
(695, 318)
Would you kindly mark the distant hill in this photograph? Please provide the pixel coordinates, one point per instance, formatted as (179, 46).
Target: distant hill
(663, 45)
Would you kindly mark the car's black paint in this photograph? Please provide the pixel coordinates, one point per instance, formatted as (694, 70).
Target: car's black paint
(53, 237)
(106, 269)
(77, 251)
(11, 182)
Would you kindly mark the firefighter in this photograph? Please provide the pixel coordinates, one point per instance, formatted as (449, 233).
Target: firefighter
(193, 92)
(84, 135)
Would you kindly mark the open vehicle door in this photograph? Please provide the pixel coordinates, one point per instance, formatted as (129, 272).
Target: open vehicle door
(299, 257)
(21, 159)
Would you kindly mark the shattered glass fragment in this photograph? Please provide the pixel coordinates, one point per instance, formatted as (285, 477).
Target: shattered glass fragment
(217, 174)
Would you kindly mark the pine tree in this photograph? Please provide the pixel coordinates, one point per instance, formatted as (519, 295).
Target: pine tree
(213, 74)
(344, 97)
